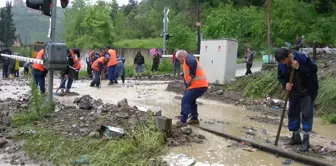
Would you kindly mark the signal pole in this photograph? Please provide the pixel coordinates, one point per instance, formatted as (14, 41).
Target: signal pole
(268, 20)
(53, 38)
(165, 29)
(198, 25)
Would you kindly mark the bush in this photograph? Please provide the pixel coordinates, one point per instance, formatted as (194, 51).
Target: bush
(37, 110)
(165, 67)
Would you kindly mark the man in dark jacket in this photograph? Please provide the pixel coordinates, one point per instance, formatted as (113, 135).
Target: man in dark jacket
(6, 62)
(249, 61)
(68, 75)
(139, 62)
(303, 92)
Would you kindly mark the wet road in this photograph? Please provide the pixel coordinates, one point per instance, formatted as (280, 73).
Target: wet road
(215, 150)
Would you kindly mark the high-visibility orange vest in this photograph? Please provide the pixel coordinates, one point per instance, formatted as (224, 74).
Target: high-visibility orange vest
(76, 62)
(113, 58)
(94, 65)
(37, 66)
(199, 81)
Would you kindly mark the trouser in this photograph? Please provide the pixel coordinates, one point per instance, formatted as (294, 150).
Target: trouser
(5, 71)
(112, 73)
(96, 79)
(301, 109)
(40, 81)
(177, 68)
(188, 104)
(26, 70)
(69, 81)
(155, 67)
(122, 75)
(248, 68)
(89, 70)
(16, 73)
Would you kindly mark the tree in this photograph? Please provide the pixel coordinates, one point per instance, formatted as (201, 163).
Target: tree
(7, 26)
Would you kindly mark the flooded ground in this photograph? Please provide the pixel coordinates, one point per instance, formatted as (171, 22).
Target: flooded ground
(216, 115)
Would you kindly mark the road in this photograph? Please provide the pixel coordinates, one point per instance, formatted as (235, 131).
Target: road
(241, 68)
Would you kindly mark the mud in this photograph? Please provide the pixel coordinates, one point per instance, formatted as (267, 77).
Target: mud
(235, 98)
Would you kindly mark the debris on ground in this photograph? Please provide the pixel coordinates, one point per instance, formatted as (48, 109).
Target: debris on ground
(183, 136)
(287, 162)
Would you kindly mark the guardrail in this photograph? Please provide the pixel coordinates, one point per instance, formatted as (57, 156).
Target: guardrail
(169, 56)
(23, 58)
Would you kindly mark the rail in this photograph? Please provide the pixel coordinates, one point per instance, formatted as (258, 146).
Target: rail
(270, 149)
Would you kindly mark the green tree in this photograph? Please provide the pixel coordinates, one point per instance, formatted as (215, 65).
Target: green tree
(7, 26)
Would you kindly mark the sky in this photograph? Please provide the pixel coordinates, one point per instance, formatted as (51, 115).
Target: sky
(121, 2)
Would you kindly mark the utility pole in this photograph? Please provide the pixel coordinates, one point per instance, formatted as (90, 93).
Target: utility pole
(198, 25)
(165, 29)
(268, 20)
(53, 39)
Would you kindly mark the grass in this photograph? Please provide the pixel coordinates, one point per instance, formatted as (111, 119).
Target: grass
(139, 43)
(265, 83)
(37, 110)
(138, 147)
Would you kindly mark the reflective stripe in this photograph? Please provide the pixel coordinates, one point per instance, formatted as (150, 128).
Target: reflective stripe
(196, 79)
(188, 71)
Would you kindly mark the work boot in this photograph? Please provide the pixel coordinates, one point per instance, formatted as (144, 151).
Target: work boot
(180, 124)
(110, 83)
(296, 139)
(193, 122)
(62, 91)
(91, 85)
(305, 143)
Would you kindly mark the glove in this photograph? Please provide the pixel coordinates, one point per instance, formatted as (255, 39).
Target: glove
(192, 76)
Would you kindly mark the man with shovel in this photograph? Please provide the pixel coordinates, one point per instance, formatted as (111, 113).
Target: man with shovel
(73, 66)
(302, 92)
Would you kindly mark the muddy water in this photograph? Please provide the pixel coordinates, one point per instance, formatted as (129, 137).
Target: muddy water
(214, 151)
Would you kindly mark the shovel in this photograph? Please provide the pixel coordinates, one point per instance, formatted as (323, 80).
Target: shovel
(60, 86)
(284, 109)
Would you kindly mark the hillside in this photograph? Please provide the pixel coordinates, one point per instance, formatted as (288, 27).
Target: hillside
(33, 26)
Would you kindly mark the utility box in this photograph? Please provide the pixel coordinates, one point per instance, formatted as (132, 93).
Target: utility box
(55, 56)
(218, 59)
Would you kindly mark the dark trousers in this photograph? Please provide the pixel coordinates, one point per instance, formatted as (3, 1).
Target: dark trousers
(40, 81)
(26, 70)
(69, 81)
(188, 104)
(248, 68)
(89, 70)
(122, 75)
(5, 71)
(112, 73)
(96, 79)
(155, 67)
(300, 109)
(16, 73)
(177, 68)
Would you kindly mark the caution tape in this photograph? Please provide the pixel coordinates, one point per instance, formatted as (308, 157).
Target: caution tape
(20, 58)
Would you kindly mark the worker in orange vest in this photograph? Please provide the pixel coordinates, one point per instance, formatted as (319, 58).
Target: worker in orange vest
(112, 64)
(40, 72)
(73, 68)
(97, 67)
(196, 85)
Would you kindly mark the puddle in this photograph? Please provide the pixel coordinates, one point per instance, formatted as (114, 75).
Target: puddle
(229, 119)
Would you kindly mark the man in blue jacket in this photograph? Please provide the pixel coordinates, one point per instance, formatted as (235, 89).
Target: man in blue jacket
(303, 92)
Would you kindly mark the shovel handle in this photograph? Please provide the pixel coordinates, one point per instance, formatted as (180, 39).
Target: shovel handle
(284, 109)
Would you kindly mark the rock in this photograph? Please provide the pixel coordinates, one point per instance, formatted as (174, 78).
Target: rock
(219, 92)
(332, 143)
(94, 134)
(77, 100)
(201, 137)
(263, 131)
(122, 103)
(2, 142)
(124, 115)
(186, 130)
